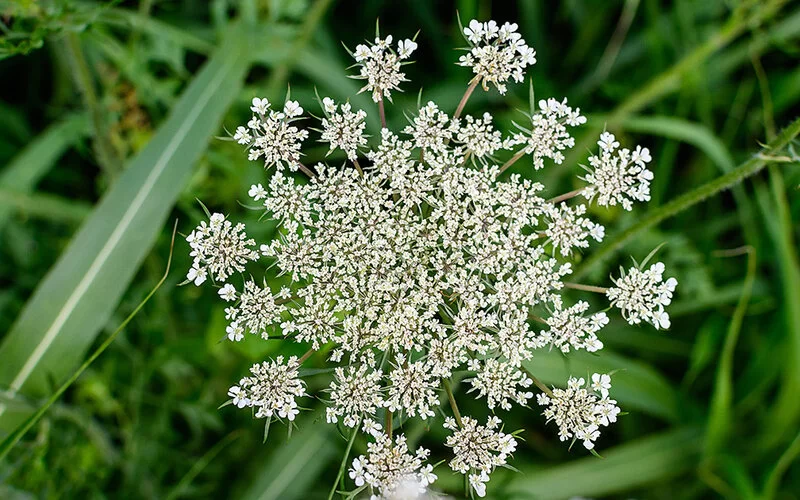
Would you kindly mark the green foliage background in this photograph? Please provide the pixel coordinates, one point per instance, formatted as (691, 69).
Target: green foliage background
(107, 118)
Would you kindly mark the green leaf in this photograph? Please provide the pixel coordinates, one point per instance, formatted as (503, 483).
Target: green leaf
(635, 385)
(75, 300)
(622, 468)
(26, 170)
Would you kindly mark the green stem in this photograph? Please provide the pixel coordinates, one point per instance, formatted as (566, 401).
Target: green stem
(786, 459)
(18, 433)
(343, 466)
(585, 288)
(745, 170)
(452, 399)
(107, 156)
(538, 383)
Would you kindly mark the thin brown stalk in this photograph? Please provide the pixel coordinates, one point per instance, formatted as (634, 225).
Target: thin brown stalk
(465, 97)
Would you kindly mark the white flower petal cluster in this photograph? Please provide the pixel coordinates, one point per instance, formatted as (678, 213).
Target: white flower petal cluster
(548, 135)
(620, 178)
(478, 449)
(219, 248)
(570, 329)
(380, 66)
(342, 128)
(271, 136)
(388, 467)
(501, 382)
(568, 229)
(496, 54)
(415, 264)
(355, 392)
(479, 137)
(272, 389)
(580, 411)
(642, 295)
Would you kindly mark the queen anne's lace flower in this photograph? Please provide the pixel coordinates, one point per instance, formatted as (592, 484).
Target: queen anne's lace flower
(580, 411)
(422, 260)
(618, 179)
(548, 135)
(570, 329)
(496, 54)
(502, 383)
(478, 449)
(272, 390)
(355, 392)
(343, 129)
(273, 138)
(388, 467)
(642, 295)
(220, 248)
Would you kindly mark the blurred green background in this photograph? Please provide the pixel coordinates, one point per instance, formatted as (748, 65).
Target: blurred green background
(108, 113)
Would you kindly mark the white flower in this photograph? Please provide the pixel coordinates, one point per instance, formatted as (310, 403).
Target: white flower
(478, 449)
(354, 393)
(329, 105)
(501, 383)
(238, 396)
(273, 388)
(234, 331)
(405, 48)
(389, 467)
(642, 295)
(620, 178)
(431, 128)
(227, 292)
(412, 389)
(579, 412)
(292, 109)
(380, 67)
(220, 248)
(344, 130)
(260, 105)
(479, 137)
(242, 136)
(568, 229)
(497, 54)
(569, 329)
(548, 135)
(257, 192)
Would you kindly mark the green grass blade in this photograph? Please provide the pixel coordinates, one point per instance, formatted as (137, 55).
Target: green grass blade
(75, 300)
(29, 166)
(636, 385)
(622, 468)
(746, 169)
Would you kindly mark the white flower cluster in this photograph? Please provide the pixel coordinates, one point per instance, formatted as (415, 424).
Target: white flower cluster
(380, 65)
(270, 134)
(580, 411)
(497, 53)
(343, 129)
(478, 449)
(272, 389)
(618, 179)
(548, 135)
(389, 468)
(642, 295)
(415, 264)
(220, 248)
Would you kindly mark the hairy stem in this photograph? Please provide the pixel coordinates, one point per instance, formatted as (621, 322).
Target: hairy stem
(388, 423)
(538, 383)
(310, 173)
(452, 399)
(566, 196)
(465, 98)
(585, 288)
(678, 205)
(305, 356)
(511, 161)
(382, 112)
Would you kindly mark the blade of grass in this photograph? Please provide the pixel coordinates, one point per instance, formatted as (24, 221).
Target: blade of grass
(79, 294)
(44, 206)
(625, 467)
(30, 165)
(746, 169)
(18, 433)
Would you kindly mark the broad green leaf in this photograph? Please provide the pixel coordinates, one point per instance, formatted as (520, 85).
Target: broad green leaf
(635, 385)
(27, 169)
(75, 300)
(294, 468)
(622, 468)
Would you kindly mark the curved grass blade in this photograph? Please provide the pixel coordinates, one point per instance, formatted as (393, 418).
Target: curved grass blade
(79, 294)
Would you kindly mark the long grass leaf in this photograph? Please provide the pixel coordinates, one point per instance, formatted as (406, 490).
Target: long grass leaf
(75, 300)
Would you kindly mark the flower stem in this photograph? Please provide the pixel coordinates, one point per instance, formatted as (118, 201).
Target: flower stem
(382, 112)
(465, 98)
(586, 288)
(310, 173)
(566, 196)
(678, 205)
(538, 383)
(452, 399)
(388, 423)
(358, 167)
(305, 356)
(344, 460)
(512, 161)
